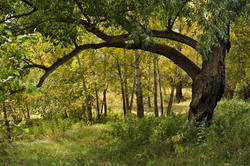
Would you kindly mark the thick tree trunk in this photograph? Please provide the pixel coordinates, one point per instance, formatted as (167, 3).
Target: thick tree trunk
(155, 90)
(139, 96)
(159, 80)
(208, 86)
(122, 87)
(171, 99)
(85, 91)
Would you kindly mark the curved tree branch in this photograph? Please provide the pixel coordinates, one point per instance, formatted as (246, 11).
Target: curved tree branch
(64, 59)
(35, 66)
(177, 57)
(176, 37)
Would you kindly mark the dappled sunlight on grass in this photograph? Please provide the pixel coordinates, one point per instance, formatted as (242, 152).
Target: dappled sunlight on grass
(61, 148)
(167, 140)
(182, 107)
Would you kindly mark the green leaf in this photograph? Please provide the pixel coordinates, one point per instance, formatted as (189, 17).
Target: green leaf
(19, 125)
(14, 130)
(23, 122)
(21, 65)
(27, 52)
(2, 88)
(9, 34)
(1, 27)
(26, 130)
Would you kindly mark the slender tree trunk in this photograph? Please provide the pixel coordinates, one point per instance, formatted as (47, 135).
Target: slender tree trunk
(85, 91)
(24, 113)
(122, 87)
(97, 102)
(104, 103)
(208, 86)
(159, 80)
(126, 88)
(140, 108)
(245, 93)
(170, 103)
(6, 119)
(155, 89)
(28, 111)
(66, 115)
(132, 97)
(178, 95)
(149, 86)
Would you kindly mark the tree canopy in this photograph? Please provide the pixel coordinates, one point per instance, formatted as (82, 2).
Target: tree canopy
(125, 24)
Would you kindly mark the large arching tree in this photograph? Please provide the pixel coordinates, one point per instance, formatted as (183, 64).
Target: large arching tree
(137, 24)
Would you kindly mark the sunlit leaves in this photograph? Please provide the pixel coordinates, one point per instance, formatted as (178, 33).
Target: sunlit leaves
(237, 61)
(11, 61)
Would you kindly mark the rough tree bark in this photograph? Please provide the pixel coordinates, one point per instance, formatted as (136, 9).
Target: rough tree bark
(139, 96)
(208, 85)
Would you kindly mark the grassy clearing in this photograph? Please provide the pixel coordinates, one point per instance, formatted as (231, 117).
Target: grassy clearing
(64, 148)
(148, 141)
(115, 103)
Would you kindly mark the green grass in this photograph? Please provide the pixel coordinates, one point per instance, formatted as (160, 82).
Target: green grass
(66, 148)
(149, 141)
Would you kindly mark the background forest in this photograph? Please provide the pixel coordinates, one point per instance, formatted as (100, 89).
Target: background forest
(115, 103)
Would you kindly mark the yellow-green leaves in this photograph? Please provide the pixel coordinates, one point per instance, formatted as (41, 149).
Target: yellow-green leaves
(1, 27)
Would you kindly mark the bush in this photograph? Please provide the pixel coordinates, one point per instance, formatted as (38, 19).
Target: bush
(228, 136)
(225, 141)
(50, 127)
(13, 131)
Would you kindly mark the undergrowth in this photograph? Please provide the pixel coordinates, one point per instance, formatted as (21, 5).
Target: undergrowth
(145, 141)
(148, 141)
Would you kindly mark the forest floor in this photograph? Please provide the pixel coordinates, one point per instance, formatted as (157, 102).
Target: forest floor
(64, 143)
